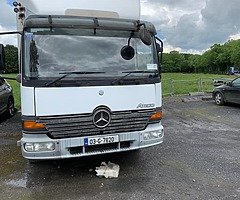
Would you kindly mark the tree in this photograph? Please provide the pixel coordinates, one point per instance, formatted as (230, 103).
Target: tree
(215, 60)
(173, 62)
(194, 63)
(11, 56)
(234, 49)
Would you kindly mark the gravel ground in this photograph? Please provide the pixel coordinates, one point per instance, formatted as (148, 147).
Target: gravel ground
(199, 159)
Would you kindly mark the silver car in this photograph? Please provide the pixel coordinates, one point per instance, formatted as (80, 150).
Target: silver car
(6, 99)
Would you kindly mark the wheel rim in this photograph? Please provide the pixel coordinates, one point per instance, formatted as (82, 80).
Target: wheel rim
(11, 108)
(218, 98)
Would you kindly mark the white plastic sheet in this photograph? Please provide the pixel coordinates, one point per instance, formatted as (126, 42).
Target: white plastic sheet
(125, 8)
(109, 170)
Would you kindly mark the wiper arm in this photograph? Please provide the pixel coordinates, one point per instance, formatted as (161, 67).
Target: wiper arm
(142, 71)
(69, 73)
(133, 72)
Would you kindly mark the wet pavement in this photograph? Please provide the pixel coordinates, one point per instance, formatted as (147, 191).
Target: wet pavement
(199, 159)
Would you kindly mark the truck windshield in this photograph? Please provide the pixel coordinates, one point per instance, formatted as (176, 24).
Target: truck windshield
(50, 53)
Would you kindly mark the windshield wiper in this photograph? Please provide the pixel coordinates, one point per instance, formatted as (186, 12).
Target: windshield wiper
(155, 72)
(69, 73)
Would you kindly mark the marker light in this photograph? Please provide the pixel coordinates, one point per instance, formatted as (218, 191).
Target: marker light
(21, 16)
(16, 10)
(15, 4)
(33, 125)
(21, 9)
(156, 116)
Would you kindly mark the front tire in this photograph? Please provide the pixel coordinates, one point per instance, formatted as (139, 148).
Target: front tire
(10, 107)
(219, 100)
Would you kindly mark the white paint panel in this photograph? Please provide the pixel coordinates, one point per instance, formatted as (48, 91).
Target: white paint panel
(125, 8)
(27, 101)
(64, 101)
(158, 92)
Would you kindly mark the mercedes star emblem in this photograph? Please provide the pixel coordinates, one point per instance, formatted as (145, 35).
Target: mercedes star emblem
(101, 118)
(101, 92)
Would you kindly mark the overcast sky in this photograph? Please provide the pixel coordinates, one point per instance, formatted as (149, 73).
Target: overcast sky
(184, 25)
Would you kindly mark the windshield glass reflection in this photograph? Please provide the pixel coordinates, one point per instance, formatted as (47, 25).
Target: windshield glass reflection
(50, 55)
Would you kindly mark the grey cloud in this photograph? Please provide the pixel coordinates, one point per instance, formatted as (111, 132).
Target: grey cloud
(201, 23)
(187, 5)
(187, 34)
(222, 19)
(7, 23)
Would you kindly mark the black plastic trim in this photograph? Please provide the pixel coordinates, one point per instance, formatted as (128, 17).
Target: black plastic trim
(89, 81)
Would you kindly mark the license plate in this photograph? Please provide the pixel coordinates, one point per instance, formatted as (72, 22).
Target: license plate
(101, 140)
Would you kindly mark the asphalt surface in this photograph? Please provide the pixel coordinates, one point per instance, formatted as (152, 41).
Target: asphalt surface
(199, 159)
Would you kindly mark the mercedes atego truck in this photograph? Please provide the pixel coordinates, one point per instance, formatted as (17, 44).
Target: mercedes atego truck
(90, 77)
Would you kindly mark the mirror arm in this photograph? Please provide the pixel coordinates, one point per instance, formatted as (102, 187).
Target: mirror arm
(141, 24)
(132, 34)
(160, 41)
(161, 53)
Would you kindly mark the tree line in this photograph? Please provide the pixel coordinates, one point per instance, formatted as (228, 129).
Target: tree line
(11, 58)
(217, 59)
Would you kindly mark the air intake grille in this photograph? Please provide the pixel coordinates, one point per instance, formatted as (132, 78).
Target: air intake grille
(82, 125)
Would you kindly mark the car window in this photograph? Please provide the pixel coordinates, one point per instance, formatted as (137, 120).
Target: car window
(1, 81)
(236, 82)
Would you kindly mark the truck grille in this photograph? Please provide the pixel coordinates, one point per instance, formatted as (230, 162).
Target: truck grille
(82, 125)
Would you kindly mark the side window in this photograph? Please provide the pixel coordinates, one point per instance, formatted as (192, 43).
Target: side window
(236, 83)
(1, 81)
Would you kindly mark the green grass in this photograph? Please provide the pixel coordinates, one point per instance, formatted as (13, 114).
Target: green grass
(183, 84)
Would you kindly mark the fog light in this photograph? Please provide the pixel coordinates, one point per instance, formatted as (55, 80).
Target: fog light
(39, 147)
(152, 135)
(146, 136)
(29, 147)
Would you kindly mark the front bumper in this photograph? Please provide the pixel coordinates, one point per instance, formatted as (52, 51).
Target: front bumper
(74, 147)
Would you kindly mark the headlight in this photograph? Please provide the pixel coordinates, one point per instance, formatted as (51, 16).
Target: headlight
(153, 135)
(39, 146)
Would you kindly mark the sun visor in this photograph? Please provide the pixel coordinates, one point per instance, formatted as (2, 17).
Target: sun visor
(91, 13)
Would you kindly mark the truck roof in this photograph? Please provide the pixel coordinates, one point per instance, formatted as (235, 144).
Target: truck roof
(63, 21)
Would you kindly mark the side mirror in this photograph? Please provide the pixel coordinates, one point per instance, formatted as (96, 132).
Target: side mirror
(18, 78)
(145, 36)
(2, 58)
(229, 83)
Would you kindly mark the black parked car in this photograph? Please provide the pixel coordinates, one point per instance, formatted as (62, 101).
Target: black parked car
(229, 93)
(6, 99)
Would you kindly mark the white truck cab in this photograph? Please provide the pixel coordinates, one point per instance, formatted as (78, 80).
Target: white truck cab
(90, 81)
